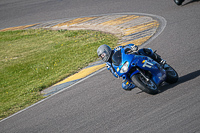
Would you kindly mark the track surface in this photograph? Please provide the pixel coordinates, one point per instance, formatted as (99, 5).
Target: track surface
(98, 104)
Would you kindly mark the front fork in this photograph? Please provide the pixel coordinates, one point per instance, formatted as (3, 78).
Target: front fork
(124, 77)
(147, 79)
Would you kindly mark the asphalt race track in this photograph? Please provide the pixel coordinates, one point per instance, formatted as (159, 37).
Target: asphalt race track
(99, 104)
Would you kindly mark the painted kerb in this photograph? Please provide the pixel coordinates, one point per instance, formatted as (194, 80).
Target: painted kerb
(129, 27)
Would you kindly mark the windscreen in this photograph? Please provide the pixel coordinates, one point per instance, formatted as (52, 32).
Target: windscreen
(116, 58)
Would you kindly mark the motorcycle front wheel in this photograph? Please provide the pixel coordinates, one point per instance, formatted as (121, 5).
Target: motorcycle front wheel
(147, 86)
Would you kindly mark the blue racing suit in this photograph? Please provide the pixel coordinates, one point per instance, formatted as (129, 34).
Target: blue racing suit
(125, 84)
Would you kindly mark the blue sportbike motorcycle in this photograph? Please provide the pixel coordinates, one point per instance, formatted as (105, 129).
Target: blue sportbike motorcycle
(143, 71)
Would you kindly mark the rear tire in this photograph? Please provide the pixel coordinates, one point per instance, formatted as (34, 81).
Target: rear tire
(172, 75)
(147, 86)
(179, 2)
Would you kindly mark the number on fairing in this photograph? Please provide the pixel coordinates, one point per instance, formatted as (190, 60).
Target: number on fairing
(147, 64)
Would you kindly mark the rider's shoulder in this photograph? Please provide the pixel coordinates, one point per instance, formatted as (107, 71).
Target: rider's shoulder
(125, 46)
(118, 48)
(131, 44)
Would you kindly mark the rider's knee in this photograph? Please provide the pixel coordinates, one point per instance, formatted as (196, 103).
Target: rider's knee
(127, 86)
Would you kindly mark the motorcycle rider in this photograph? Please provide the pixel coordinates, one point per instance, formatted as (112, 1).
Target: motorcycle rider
(105, 53)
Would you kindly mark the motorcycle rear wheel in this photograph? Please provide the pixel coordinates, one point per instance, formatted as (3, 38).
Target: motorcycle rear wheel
(147, 86)
(179, 2)
(172, 75)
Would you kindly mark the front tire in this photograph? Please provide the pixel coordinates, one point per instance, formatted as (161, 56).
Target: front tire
(147, 86)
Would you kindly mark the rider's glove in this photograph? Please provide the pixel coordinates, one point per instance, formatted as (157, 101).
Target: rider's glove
(108, 67)
(116, 75)
(134, 48)
(112, 71)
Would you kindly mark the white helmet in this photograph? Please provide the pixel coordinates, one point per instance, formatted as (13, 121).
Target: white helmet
(104, 51)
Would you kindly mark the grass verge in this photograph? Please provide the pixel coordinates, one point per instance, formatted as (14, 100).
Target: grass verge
(31, 60)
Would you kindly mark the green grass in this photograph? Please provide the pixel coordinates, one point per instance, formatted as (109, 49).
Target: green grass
(32, 60)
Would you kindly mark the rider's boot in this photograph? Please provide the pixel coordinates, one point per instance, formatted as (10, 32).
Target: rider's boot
(149, 52)
(158, 59)
(127, 86)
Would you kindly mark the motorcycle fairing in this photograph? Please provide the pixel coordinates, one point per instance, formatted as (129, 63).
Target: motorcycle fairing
(120, 57)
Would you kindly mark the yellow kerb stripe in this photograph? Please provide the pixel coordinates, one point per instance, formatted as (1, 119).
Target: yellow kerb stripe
(75, 21)
(141, 27)
(137, 41)
(18, 28)
(120, 20)
(83, 73)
